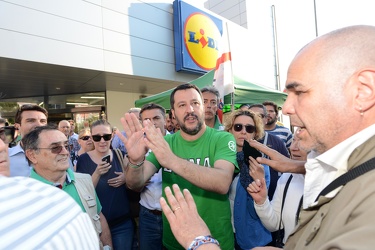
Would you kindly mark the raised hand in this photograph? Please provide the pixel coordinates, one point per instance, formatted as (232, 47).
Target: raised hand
(134, 140)
(258, 190)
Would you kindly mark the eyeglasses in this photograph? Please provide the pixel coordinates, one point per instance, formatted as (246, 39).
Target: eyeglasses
(57, 149)
(249, 128)
(86, 137)
(106, 137)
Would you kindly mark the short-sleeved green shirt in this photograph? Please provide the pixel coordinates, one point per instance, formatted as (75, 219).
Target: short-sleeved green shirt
(214, 208)
(67, 187)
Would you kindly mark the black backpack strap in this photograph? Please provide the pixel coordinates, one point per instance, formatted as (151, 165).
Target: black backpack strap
(348, 176)
(284, 195)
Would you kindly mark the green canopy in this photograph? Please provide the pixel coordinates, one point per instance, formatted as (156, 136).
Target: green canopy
(244, 93)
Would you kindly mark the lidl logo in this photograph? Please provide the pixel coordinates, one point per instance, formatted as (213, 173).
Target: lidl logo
(196, 37)
(201, 37)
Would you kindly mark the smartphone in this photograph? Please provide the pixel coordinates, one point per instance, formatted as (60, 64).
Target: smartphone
(250, 151)
(107, 158)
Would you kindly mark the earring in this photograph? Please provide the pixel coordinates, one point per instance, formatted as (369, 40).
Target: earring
(360, 110)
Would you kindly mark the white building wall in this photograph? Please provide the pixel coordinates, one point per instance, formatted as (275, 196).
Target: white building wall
(136, 37)
(127, 37)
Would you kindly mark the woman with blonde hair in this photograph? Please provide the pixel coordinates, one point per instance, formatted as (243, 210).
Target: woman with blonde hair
(85, 142)
(249, 231)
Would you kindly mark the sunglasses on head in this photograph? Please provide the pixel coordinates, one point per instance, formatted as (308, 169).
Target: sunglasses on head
(86, 137)
(249, 128)
(97, 138)
(57, 149)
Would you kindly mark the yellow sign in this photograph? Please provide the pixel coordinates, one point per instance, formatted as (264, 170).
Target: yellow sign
(201, 37)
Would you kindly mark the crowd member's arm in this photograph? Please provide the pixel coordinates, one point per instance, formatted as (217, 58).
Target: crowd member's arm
(138, 170)
(278, 162)
(105, 236)
(216, 179)
(268, 213)
(186, 224)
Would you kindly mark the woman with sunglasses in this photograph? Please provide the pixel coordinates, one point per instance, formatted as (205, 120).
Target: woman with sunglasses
(109, 182)
(86, 144)
(249, 231)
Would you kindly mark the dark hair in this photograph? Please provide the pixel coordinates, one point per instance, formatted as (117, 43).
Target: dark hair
(149, 106)
(100, 122)
(212, 90)
(29, 107)
(31, 140)
(258, 105)
(274, 105)
(170, 114)
(183, 87)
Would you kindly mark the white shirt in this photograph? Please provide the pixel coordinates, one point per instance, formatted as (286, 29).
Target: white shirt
(150, 195)
(322, 169)
(34, 215)
(269, 212)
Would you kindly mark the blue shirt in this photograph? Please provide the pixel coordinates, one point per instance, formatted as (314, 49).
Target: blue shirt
(117, 143)
(283, 133)
(250, 231)
(19, 165)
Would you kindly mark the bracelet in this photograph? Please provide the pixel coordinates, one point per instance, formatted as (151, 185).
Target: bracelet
(201, 240)
(132, 165)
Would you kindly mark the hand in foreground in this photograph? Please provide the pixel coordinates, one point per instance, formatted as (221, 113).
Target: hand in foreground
(278, 161)
(258, 190)
(183, 217)
(117, 181)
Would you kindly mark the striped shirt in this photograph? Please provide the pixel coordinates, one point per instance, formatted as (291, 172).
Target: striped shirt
(283, 133)
(34, 215)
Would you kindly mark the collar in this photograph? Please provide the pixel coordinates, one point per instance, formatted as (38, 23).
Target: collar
(15, 150)
(323, 169)
(69, 178)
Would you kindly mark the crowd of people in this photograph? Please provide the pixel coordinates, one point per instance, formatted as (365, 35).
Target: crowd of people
(183, 179)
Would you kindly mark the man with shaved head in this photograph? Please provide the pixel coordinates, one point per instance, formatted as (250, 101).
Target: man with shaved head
(331, 97)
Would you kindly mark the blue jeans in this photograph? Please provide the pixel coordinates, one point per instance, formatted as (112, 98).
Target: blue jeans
(122, 235)
(150, 230)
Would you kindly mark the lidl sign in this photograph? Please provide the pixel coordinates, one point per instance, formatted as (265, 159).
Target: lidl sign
(196, 38)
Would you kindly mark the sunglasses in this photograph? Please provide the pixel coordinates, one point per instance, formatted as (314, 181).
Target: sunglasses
(8, 132)
(86, 137)
(106, 137)
(57, 149)
(249, 128)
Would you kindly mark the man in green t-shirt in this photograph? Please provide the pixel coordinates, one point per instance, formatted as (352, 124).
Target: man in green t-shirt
(196, 157)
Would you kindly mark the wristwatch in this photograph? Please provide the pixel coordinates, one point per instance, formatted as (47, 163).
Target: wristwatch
(106, 247)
